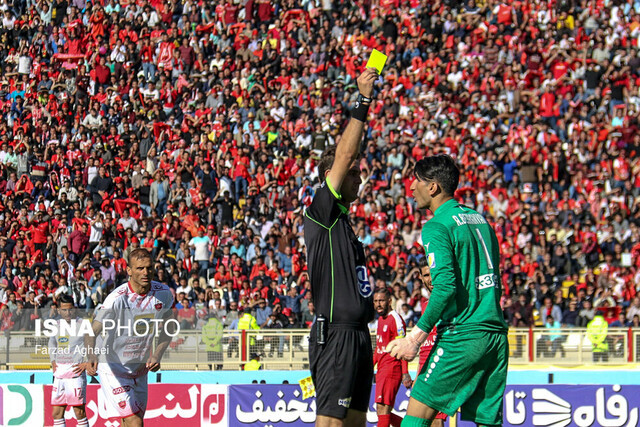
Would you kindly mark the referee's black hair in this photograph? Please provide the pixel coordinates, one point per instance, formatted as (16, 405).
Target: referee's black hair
(326, 161)
(424, 262)
(441, 169)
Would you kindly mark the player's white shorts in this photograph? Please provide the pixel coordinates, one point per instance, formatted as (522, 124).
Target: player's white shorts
(69, 391)
(123, 396)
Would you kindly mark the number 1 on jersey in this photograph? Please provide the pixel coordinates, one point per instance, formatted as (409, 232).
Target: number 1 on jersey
(486, 251)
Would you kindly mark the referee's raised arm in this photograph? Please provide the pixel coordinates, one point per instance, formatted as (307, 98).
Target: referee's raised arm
(348, 148)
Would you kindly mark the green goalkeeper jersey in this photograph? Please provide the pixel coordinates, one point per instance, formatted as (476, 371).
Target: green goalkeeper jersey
(464, 257)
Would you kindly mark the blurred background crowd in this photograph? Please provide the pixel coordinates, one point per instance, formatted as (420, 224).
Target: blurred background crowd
(193, 129)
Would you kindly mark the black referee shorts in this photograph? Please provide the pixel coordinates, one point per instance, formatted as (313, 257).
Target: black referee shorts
(342, 370)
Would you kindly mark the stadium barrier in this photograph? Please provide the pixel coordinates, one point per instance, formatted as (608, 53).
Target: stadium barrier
(191, 405)
(287, 349)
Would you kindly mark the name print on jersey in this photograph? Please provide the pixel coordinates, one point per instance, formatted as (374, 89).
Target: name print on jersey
(462, 219)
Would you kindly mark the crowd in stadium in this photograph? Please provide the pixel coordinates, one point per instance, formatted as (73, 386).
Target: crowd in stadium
(193, 130)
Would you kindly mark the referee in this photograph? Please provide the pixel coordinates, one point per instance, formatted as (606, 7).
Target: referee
(340, 352)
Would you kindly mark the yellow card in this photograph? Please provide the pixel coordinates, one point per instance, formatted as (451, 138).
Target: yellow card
(307, 387)
(377, 60)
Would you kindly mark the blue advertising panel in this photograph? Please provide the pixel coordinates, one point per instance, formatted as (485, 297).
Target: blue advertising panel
(524, 405)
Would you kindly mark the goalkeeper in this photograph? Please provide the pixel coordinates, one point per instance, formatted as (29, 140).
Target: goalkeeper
(467, 367)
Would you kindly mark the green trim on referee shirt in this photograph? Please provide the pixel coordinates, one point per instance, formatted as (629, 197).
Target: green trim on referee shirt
(333, 277)
(338, 196)
(334, 192)
(321, 225)
(333, 280)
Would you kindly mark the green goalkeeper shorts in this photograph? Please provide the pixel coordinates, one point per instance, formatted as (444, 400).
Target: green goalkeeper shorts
(467, 371)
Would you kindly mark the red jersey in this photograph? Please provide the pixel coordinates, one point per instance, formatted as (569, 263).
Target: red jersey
(427, 345)
(390, 327)
(425, 348)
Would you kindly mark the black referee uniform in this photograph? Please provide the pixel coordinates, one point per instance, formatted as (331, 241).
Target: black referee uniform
(342, 369)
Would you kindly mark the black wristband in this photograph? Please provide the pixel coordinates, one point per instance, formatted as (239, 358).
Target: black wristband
(359, 111)
(363, 99)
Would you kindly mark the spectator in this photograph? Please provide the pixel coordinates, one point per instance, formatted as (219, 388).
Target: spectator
(633, 310)
(98, 288)
(620, 322)
(128, 222)
(159, 192)
(586, 315)
(407, 314)
(293, 323)
(570, 314)
(217, 310)
(232, 313)
(79, 241)
(200, 245)
(292, 300)
(262, 313)
(186, 315)
(309, 316)
(549, 309)
(522, 312)
(101, 186)
(21, 318)
(275, 322)
(551, 341)
(181, 301)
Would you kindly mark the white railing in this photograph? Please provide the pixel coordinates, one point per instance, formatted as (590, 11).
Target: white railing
(288, 349)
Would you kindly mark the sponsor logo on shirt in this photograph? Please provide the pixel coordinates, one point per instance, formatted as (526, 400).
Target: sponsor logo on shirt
(122, 389)
(431, 260)
(486, 281)
(346, 402)
(364, 286)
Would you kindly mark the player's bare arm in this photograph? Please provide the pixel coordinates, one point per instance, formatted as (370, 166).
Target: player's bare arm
(153, 364)
(90, 342)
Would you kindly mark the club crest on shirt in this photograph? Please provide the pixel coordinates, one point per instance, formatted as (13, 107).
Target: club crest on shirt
(122, 404)
(158, 306)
